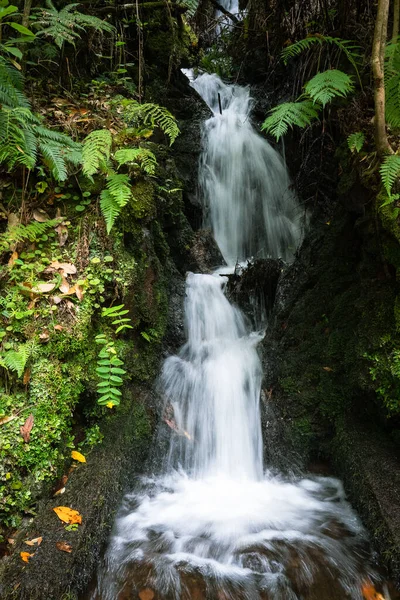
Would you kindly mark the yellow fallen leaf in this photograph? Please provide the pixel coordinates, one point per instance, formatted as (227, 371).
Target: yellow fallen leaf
(64, 547)
(35, 542)
(369, 592)
(68, 515)
(26, 556)
(78, 456)
(4, 420)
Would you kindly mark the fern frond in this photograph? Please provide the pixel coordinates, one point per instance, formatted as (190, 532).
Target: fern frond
(348, 47)
(153, 115)
(11, 86)
(66, 24)
(116, 195)
(16, 360)
(54, 159)
(144, 157)
(355, 141)
(393, 100)
(110, 209)
(327, 85)
(96, 151)
(390, 172)
(21, 233)
(289, 114)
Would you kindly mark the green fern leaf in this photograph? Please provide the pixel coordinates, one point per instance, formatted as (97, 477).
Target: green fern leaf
(15, 360)
(96, 151)
(152, 115)
(393, 100)
(21, 233)
(355, 141)
(144, 157)
(390, 172)
(116, 195)
(327, 85)
(289, 114)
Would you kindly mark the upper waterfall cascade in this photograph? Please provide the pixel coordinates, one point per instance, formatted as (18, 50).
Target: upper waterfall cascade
(215, 525)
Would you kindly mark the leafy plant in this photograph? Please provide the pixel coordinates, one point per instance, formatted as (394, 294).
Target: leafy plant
(9, 46)
(325, 86)
(109, 373)
(15, 360)
(355, 141)
(66, 25)
(117, 313)
(289, 114)
(151, 115)
(21, 233)
(96, 151)
(390, 171)
(142, 156)
(116, 195)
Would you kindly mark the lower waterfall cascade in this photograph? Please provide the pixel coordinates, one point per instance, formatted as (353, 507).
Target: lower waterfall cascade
(215, 524)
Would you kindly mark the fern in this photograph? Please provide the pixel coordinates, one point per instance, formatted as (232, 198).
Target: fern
(16, 360)
(327, 85)
(152, 115)
(116, 195)
(21, 233)
(11, 86)
(393, 100)
(143, 156)
(289, 114)
(66, 24)
(96, 151)
(390, 172)
(191, 6)
(349, 48)
(355, 141)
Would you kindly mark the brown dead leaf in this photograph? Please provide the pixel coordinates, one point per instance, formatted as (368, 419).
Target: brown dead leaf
(27, 376)
(12, 259)
(35, 542)
(369, 592)
(44, 336)
(43, 288)
(68, 515)
(26, 556)
(62, 231)
(5, 420)
(58, 327)
(56, 299)
(11, 541)
(328, 369)
(26, 428)
(79, 292)
(40, 215)
(68, 268)
(64, 287)
(59, 492)
(64, 547)
(146, 594)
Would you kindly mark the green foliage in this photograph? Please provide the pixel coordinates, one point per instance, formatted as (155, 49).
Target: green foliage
(325, 86)
(21, 233)
(16, 360)
(393, 100)
(66, 25)
(9, 46)
(355, 141)
(116, 195)
(96, 151)
(142, 156)
(349, 48)
(289, 114)
(118, 313)
(151, 115)
(109, 373)
(191, 5)
(390, 172)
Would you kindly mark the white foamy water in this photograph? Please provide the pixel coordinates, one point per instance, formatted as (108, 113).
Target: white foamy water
(214, 525)
(252, 208)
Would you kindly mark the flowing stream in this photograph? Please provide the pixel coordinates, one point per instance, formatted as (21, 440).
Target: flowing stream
(214, 524)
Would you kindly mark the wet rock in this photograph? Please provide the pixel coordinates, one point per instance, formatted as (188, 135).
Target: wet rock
(204, 253)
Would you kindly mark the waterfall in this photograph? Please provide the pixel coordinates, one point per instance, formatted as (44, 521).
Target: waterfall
(245, 186)
(214, 525)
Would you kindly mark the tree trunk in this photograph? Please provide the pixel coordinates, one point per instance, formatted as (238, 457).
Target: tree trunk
(378, 57)
(396, 19)
(26, 13)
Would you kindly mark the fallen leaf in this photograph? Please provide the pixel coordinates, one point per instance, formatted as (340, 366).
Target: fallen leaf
(78, 456)
(56, 299)
(40, 215)
(64, 287)
(79, 292)
(44, 336)
(59, 492)
(328, 369)
(4, 420)
(68, 515)
(62, 231)
(12, 259)
(58, 327)
(26, 556)
(64, 546)
(26, 428)
(43, 288)
(369, 592)
(146, 594)
(68, 268)
(27, 376)
(11, 541)
(35, 542)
